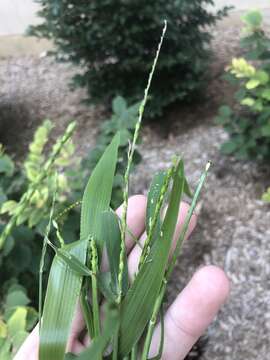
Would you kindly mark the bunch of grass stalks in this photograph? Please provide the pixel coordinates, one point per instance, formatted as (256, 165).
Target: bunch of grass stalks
(132, 307)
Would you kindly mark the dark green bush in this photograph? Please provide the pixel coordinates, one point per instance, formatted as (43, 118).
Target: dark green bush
(248, 125)
(114, 42)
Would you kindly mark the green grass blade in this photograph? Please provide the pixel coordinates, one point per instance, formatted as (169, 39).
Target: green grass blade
(86, 310)
(187, 221)
(187, 190)
(74, 264)
(43, 252)
(61, 298)
(105, 287)
(112, 237)
(97, 195)
(94, 288)
(162, 333)
(173, 262)
(137, 307)
(96, 349)
(158, 191)
(152, 199)
(152, 324)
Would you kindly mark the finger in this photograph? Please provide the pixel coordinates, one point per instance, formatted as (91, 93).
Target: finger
(134, 256)
(78, 325)
(29, 349)
(136, 214)
(192, 311)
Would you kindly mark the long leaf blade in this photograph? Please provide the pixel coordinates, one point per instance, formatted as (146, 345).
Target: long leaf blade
(97, 195)
(111, 235)
(152, 200)
(61, 298)
(65, 284)
(138, 305)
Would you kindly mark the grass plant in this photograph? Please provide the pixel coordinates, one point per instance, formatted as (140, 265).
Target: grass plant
(132, 308)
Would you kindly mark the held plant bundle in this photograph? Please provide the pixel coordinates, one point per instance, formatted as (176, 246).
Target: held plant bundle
(131, 307)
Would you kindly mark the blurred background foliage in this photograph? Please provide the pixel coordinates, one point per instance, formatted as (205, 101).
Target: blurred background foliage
(20, 255)
(17, 320)
(114, 41)
(248, 124)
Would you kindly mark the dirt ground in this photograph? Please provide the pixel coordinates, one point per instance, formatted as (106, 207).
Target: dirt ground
(233, 230)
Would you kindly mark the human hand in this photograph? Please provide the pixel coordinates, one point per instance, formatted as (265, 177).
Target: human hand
(186, 319)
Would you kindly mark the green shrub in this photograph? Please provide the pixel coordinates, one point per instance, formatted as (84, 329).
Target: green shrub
(249, 125)
(114, 42)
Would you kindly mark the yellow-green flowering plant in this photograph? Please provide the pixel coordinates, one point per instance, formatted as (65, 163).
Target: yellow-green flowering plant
(249, 126)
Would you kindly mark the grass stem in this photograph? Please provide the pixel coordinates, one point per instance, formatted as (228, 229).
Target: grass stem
(87, 312)
(156, 215)
(152, 322)
(115, 344)
(129, 163)
(95, 302)
(43, 252)
(134, 352)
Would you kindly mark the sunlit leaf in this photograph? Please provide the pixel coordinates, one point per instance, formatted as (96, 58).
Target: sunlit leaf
(61, 298)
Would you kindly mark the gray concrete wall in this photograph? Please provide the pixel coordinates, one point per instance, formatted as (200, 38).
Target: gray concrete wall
(244, 4)
(16, 15)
